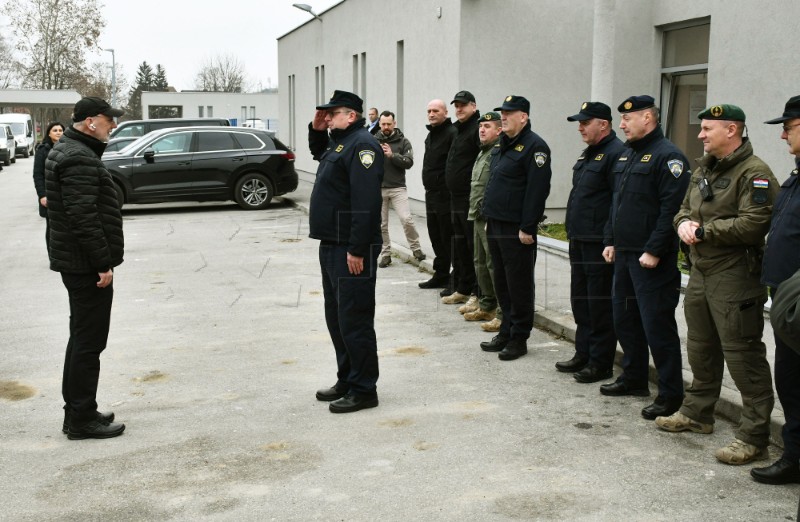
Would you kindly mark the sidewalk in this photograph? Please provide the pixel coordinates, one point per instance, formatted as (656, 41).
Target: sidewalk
(553, 312)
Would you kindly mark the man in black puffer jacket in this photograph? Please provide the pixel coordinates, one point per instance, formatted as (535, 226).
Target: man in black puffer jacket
(86, 243)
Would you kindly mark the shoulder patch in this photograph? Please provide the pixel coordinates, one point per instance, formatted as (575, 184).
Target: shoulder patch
(646, 158)
(793, 173)
(623, 158)
(367, 157)
(599, 157)
(761, 183)
(519, 147)
(339, 148)
(540, 158)
(582, 157)
(676, 167)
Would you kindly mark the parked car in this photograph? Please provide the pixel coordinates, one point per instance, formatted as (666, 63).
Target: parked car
(138, 128)
(116, 144)
(248, 166)
(7, 145)
(22, 127)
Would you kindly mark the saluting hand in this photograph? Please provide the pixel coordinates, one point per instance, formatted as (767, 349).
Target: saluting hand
(319, 122)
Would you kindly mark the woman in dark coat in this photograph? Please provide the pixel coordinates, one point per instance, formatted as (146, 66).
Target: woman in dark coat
(53, 134)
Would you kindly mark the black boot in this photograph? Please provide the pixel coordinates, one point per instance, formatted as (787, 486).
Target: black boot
(497, 343)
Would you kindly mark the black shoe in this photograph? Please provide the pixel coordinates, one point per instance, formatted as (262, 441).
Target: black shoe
(94, 429)
(437, 281)
(352, 402)
(662, 407)
(783, 471)
(515, 349)
(576, 364)
(448, 290)
(620, 388)
(331, 394)
(497, 344)
(591, 373)
(105, 418)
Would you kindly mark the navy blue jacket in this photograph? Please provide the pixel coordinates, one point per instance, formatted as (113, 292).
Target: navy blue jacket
(651, 178)
(346, 200)
(589, 202)
(780, 258)
(519, 180)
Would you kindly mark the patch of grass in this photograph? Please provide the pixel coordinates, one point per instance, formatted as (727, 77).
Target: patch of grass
(553, 230)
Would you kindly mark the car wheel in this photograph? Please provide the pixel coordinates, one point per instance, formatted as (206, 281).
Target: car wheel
(12, 157)
(120, 194)
(7, 160)
(253, 191)
(25, 152)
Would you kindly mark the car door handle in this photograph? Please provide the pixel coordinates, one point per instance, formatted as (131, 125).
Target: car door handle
(238, 159)
(184, 163)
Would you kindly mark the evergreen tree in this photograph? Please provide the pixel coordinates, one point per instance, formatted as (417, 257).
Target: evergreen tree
(145, 80)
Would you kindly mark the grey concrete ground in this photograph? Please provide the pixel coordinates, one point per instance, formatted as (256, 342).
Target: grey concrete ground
(217, 345)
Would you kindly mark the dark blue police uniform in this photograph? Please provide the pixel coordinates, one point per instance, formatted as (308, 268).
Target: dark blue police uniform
(345, 215)
(518, 186)
(651, 178)
(588, 209)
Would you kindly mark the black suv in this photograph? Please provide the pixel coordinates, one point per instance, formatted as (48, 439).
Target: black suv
(248, 166)
(136, 128)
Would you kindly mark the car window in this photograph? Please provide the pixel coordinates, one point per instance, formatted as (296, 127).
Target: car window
(248, 141)
(137, 129)
(173, 143)
(214, 141)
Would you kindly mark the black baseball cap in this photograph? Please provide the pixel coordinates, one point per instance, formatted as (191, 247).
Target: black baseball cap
(636, 103)
(591, 110)
(515, 103)
(463, 97)
(92, 106)
(790, 112)
(343, 99)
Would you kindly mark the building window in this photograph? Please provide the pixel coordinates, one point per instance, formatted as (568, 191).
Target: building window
(200, 111)
(252, 112)
(292, 111)
(363, 76)
(210, 111)
(400, 81)
(684, 83)
(244, 114)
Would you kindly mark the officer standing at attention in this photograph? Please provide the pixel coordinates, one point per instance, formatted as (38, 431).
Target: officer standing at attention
(519, 183)
(651, 177)
(345, 215)
(587, 213)
(724, 218)
(780, 263)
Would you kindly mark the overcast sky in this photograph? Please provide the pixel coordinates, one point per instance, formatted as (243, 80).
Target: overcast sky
(181, 35)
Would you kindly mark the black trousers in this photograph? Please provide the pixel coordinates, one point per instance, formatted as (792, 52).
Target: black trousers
(590, 296)
(644, 314)
(463, 248)
(350, 317)
(787, 379)
(513, 264)
(437, 211)
(89, 321)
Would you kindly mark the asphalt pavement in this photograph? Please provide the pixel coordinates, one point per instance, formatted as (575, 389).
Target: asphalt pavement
(217, 345)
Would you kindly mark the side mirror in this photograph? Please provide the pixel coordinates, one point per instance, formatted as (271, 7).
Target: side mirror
(149, 155)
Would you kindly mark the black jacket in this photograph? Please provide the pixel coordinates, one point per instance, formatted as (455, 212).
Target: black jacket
(437, 146)
(651, 178)
(519, 180)
(346, 200)
(783, 241)
(461, 157)
(592, 187)
(85, 219)
(38, 174)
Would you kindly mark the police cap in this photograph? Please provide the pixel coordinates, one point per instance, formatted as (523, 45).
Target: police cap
(790, 112)
(722, 112)
(343, 99)
(636, 103)
(515, 103)
(591, 110)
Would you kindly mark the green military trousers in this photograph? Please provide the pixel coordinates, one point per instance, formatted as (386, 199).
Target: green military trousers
(483, 269)
(725, 319)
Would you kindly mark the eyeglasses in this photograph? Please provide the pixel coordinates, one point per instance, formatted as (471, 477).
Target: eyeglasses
(787, 128)
(334, 113)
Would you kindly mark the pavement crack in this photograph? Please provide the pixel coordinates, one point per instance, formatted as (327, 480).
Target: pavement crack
(205, 263)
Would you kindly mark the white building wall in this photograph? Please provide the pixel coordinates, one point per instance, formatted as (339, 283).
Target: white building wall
(225, 104)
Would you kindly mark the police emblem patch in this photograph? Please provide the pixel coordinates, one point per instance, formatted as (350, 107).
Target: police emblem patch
(646, 158)
(599, 157)
(676, 167)
(716, 111)
(628, 105)
(540, 158)
(585, 104)
(339, 148)
(519, 147)
(367, 157)
(508, 98)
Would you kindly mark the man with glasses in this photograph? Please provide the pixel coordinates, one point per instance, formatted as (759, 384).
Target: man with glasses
(724, 218)
(780, 263)
(345, 215)
(86, 243)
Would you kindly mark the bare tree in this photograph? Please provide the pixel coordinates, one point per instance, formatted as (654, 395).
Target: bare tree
(53, 37)
(223, 73)
(7, 70)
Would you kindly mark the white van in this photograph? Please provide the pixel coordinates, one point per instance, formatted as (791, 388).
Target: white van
(22, 126)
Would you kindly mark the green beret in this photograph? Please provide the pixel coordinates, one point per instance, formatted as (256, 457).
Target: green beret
(722, 112)
(490, 116)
